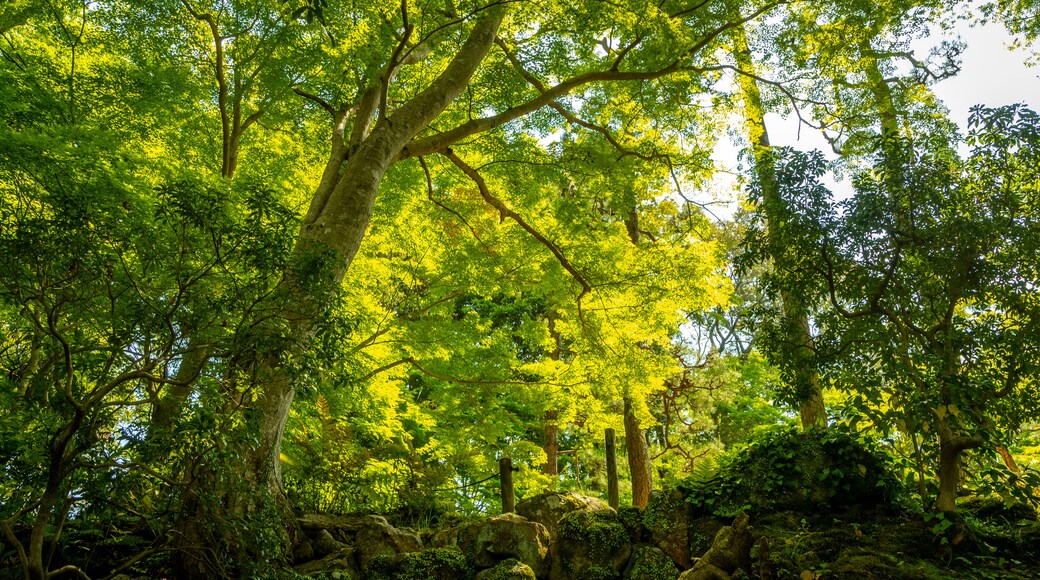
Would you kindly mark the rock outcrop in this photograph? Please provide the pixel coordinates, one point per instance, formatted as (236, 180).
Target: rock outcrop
(549, 508)
(586, 540)
(589, 544)
(512, 536)
(731, 551)
(667, 519)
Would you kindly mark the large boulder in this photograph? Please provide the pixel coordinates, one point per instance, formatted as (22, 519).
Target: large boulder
(511, 569)
(463, 537)
(589, 545)
(512, 536)
(632, 518)
(377, 538)
(667, 518)
(316, 544)
(342, 528)
(650, 563)
(549, 508)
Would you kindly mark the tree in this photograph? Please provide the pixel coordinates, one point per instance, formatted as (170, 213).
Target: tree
(386, 125)
(797, 335)
(925, 310)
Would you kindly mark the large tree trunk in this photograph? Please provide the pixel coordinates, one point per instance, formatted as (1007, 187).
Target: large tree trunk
(950, 448)
(806, 381)
(338, 222)
(638, 458)
(329, 239)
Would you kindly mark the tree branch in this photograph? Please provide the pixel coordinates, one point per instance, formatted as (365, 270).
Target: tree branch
(429, 195)
(441, 141)
(505, 212)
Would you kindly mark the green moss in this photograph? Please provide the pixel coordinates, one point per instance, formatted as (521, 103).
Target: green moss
(599, 573)
(632, 519)
(601, 532)
(510, 569)
(429, 564)
(801, 470)
(664, 510)
(649, 563)
(592, 544)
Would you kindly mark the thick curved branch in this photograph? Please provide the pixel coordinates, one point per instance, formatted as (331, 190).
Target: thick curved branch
(569, 116)
(441, 141)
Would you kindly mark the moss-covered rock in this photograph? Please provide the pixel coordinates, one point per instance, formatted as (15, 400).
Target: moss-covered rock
(730, 552)
(549, 508)
(590, 545)
(512, 536)
(429, 564)
(379, 538)
(667, 519)
(463, 537)
(632, 518)
(510, 569)
(342, 563)
(650, 563)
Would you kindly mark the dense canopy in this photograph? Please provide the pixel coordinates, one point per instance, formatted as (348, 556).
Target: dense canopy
(260, 258)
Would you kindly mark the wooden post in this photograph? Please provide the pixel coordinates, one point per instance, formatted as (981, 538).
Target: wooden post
(505, 477)
(612, 483)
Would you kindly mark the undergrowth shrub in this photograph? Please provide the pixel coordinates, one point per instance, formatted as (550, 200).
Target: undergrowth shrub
(797, 470)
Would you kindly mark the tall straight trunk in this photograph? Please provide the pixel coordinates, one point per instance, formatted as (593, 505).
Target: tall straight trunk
(551, 442)
(951, 444)
(638, 458)
(806, 380)
(551, 445)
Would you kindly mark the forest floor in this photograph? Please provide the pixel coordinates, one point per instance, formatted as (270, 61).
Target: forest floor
(886, 545)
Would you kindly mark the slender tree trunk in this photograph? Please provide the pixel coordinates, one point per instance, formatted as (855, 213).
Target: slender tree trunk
(57, 468)
(638, 458)
(613, 499)
(807, 387)
(551, 444)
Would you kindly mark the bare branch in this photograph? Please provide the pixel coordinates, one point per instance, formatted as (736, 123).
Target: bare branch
(505, 212)
(429, 195)
(317, 100)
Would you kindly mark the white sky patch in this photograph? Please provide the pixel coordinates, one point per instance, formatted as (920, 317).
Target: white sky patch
(992, 74)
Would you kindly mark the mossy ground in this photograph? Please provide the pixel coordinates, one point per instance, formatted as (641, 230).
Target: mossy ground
(830, 506)
(883, 545)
